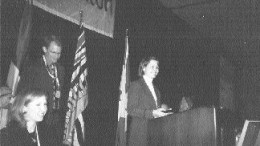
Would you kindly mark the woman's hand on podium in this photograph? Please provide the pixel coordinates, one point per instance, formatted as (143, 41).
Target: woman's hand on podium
(167, 109)
(161, 112)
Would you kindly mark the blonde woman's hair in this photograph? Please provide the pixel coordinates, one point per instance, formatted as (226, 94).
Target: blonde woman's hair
(22, 99)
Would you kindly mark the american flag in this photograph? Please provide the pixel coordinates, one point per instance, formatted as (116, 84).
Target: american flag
(78, 97)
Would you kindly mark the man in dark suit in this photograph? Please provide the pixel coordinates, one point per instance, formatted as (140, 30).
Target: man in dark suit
(47, 74)
(144, 102)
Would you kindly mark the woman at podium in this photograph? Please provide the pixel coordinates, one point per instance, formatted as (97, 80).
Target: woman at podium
(144, 101)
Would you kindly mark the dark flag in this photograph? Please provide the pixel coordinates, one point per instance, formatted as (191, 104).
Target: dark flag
(121, 134)
(78, 96)
(22, 46)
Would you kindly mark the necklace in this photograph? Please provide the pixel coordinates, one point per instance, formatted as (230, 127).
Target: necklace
(52, 71)
(53, 74)
(35, 137)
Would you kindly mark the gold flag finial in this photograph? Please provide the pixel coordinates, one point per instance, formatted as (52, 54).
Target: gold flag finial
(80, 17)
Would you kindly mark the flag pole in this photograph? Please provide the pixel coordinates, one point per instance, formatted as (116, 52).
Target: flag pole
(126, 59)
(81, 18)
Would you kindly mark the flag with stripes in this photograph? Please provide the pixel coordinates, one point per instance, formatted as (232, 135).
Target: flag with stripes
(22, 46)
(121, 135)
(78, 97)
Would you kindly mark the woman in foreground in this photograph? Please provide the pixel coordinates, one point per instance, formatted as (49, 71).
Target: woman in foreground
(28, 109)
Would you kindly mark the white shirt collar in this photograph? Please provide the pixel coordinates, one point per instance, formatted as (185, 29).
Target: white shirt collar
(149, 83)
(148, 80)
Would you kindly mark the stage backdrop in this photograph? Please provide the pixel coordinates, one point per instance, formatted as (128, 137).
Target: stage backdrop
(98, 15)
(227, 73)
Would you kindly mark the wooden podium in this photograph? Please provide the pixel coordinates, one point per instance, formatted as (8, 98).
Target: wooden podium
(195, 127)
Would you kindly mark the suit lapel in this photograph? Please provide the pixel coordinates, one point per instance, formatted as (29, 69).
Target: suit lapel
(44, 71)
(158, 95)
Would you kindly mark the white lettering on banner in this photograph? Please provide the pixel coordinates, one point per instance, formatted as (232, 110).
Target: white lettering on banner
(101, 3)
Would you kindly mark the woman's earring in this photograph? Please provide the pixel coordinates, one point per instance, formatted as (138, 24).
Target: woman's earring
(24, 111)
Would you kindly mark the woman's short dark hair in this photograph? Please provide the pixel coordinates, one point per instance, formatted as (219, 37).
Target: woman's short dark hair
(145, 61)
(51, 38)
(23, 98)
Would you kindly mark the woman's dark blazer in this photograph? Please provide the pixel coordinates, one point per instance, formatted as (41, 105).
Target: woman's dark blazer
(15, 135)
(140, 105)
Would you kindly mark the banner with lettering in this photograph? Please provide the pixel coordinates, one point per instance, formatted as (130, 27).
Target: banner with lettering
(98, 15)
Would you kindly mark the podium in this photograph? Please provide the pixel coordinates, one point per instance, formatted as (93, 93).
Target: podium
(196, 127)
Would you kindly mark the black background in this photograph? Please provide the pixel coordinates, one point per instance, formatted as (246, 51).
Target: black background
(188, 66)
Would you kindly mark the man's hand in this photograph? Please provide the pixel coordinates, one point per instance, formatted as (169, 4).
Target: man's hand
(5, 90)
(6, 97)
